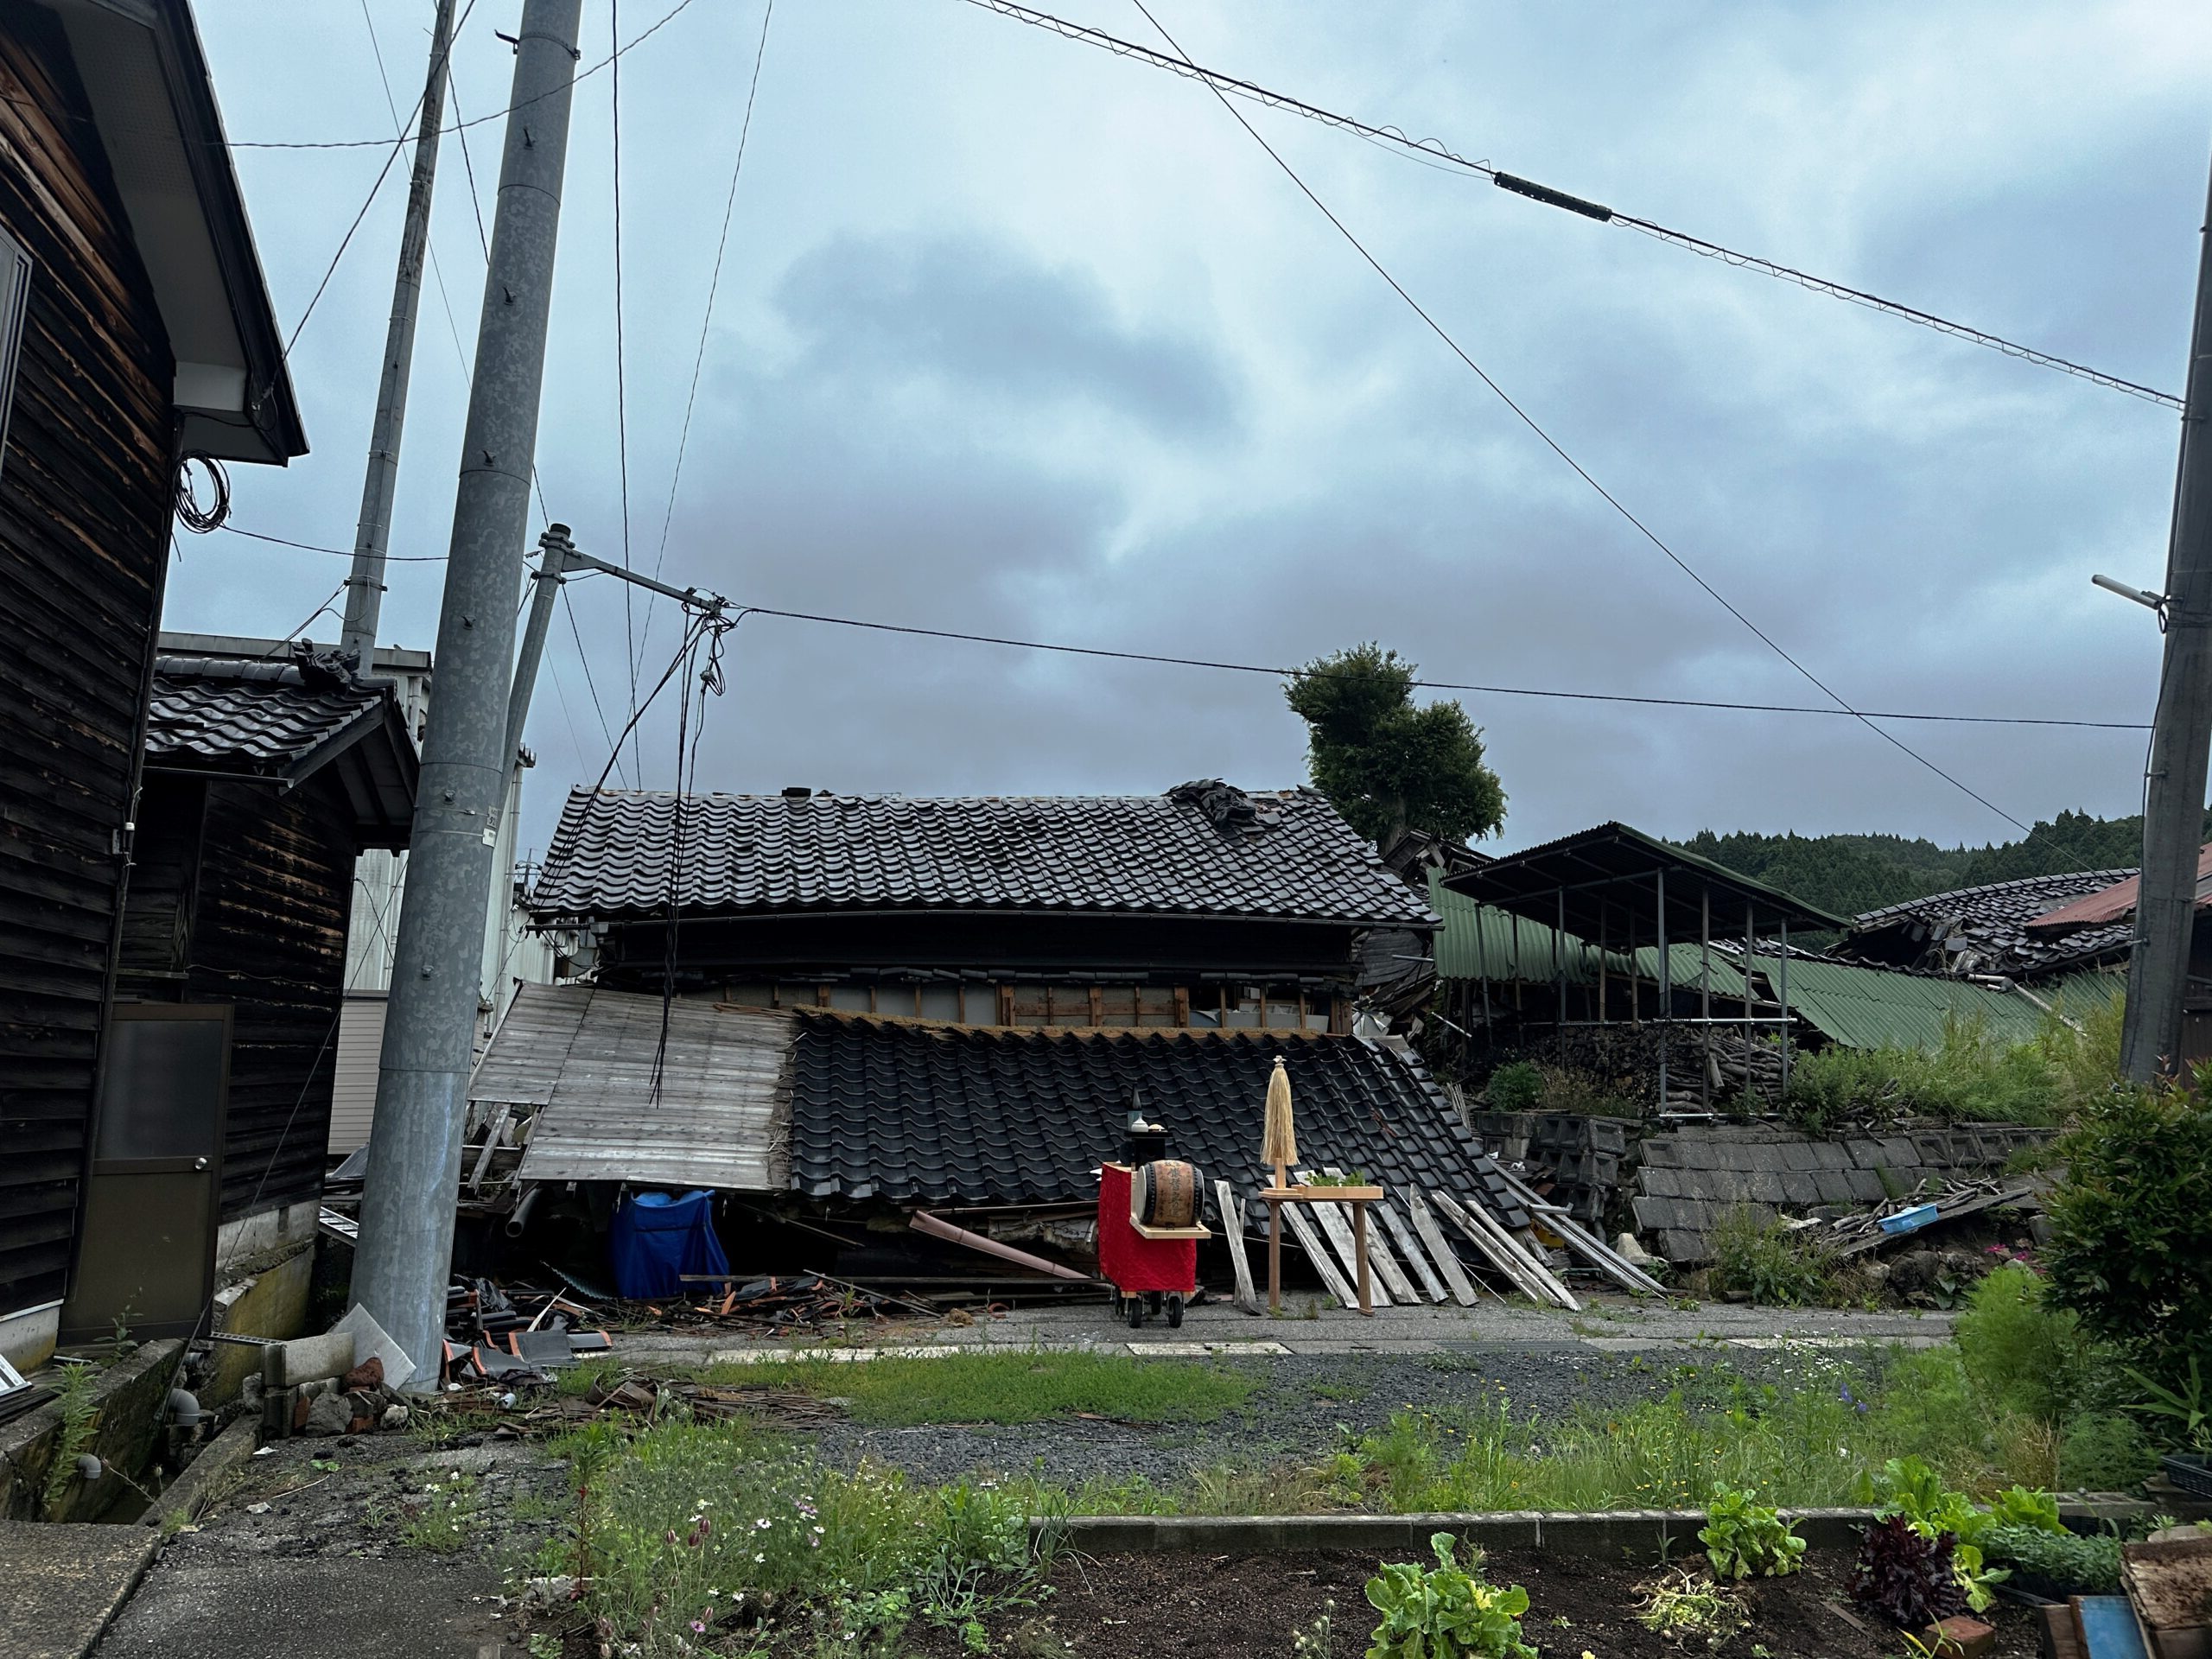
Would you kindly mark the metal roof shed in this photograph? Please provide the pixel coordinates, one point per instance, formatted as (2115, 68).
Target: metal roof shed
(1623, 891)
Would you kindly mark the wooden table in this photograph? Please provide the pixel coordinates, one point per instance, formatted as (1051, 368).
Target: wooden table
(1357, 1197)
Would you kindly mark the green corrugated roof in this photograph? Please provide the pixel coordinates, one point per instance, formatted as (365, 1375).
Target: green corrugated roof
(1861, 1007)
(1870, 1008)
(1478, 942)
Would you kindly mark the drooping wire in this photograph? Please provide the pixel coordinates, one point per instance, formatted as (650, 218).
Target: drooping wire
(1279, 673)
(706, 320)
(712, 626)
(1553, 445)
(622, 389)
(1431, 152)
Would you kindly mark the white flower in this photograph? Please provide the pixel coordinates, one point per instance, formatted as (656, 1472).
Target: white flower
(760, 1558)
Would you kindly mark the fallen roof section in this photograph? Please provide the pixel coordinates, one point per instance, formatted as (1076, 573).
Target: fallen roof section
(2115, 903)
(911, 1111)
(1201, 849)
(583, 1058)
(1604, 884)
(1989, 929)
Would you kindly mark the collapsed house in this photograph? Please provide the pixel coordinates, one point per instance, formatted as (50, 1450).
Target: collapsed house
(853, 1016)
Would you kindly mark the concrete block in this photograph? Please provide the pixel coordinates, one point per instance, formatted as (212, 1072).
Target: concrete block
(1767, 1186)
(1865, 1186)
(1835, 1186)
(1801, 1188)
(1662, 1183)
(1867, 1155)
(1661, 1153)
(1652, 1212)
(271, 1303)
(1831, 1154)
(307, 1359)
(1932, 1149)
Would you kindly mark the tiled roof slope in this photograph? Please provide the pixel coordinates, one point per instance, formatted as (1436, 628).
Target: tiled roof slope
(1985, 929)
(902, 1111)
(1198, 851)
(215, 713)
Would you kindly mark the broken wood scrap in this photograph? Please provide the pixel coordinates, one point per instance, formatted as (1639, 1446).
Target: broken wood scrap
(1409, 1248)
(1232, 1231)
(1317, 1253)
(1440, 1249)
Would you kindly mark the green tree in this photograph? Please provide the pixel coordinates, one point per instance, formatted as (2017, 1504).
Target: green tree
(1385, 764)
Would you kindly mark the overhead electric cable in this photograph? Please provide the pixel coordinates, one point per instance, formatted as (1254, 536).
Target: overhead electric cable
(1432, 153)
(590, 684)
(621, 51)
(342, 552)
(1278, 673)
(707, 317)
(1553, 444)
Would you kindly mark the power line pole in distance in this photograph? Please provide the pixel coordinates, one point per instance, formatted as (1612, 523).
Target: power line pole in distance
(407, 1204)
(2173, 816)
(372, 533)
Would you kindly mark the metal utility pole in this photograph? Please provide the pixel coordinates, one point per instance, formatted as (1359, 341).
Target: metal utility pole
(2173, 816)
(407, 1204)
(372, 533)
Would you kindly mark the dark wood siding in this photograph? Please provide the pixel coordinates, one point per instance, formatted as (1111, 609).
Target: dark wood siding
(269, 937)
(85, 498)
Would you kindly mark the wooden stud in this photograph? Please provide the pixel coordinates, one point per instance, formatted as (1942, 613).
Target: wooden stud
(1317, 1253)
(1232, 1232)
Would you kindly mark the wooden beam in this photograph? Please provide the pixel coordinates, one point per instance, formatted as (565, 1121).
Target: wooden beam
(1232, 1233)
(1410, 1250)
(1310, 1237)
(1339, 1233)
(1399, 1282)
(1440, 1250)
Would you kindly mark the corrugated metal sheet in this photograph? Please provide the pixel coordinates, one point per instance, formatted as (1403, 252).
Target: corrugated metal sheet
(1869, 1007)
(1688, 967)
(585, 1057)
(1477, 941)
(354, 1091)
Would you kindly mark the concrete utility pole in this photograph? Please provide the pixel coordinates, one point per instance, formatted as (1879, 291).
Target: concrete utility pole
(407, 1204)
(2173, 816)
(372, 534)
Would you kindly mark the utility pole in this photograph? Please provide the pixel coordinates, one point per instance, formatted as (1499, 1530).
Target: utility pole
(2173, 816)
(372, 533)
(407, 1204)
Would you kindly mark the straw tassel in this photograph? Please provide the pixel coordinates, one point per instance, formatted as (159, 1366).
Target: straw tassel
(1278, 1140)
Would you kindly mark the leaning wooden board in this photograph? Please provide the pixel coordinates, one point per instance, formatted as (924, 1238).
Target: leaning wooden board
(1379, 1254)
(1440, 1250)
(1232, 1233)
(1338, 1230)
(1409, 1248)
(1309, 1236)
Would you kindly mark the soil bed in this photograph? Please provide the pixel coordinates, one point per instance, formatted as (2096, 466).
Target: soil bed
(1228, 1607)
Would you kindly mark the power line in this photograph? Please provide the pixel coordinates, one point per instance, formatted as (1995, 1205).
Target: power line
(590, 684)
(1279, 673)
(621, 50)
(1432, 153)
(341, 552)
(382, 173)
(707, 317)
(1552, 443)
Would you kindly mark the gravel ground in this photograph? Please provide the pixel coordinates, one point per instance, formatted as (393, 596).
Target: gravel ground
(1303, 1399)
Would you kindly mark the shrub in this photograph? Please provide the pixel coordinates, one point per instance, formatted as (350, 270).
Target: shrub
(1744, 1540)
(1445, 1611)
(2132, 1222)
(2104, 1452)
(1515, 1088)
(1764, 1260)
(1910, 1580)
(2022, 1353)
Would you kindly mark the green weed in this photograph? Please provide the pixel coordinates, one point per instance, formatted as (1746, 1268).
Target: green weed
(1023, 1387)
(1762, 1259)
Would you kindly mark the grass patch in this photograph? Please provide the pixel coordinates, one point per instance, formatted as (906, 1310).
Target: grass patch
(1024, 1387)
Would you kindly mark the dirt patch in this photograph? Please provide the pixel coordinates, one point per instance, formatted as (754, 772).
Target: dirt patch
(1229, 1607)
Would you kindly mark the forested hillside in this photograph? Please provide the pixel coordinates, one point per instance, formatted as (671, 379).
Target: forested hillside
(1850, 874)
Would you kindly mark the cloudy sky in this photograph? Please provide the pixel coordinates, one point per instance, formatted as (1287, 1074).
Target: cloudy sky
(1017, 337)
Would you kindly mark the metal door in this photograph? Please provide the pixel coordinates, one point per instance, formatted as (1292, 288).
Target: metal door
(146, 1246)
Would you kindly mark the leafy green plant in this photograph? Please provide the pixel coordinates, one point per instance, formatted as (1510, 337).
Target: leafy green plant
(76, 1399)
(1357, 1178)
(2185, 1406)
(1684, 1605)
(1743, 1539)
(2061, 1562)
(1919, 1497)
(2104, 1452)
(2130, 1250)
(1445, 1611)
(1762, 1259)
(1517, 1087)
(442, 1517)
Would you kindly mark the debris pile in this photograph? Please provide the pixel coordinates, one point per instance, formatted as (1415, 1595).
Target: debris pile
(490, 1337)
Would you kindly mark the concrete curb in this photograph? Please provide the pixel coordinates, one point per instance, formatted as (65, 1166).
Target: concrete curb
(223, 1453)
(1657, 1534)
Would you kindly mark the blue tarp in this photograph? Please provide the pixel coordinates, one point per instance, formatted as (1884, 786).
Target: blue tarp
(658, 1237)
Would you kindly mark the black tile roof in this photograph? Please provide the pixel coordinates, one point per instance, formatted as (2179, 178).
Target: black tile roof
(287, 723)
(1198, 851)
(1984, 930)
(903, 1110)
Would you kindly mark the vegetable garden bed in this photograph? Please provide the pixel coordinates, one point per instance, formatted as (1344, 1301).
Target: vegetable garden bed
(1230, 1606)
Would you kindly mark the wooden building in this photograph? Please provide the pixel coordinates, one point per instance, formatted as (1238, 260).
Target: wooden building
(1204, 908)
(135, 329)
